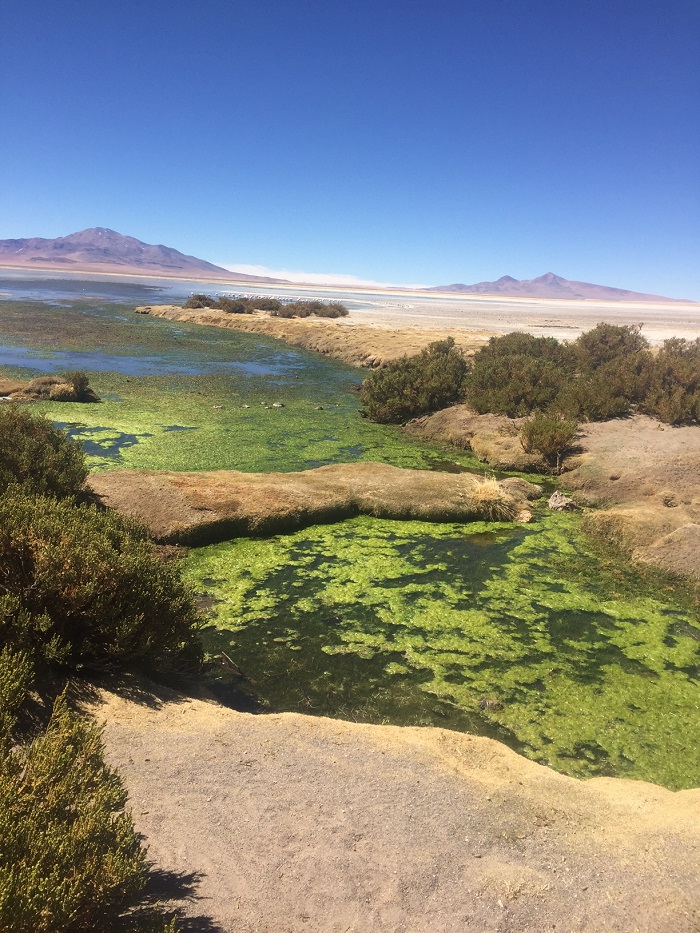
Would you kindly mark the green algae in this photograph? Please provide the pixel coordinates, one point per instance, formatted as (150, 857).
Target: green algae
(592, 672)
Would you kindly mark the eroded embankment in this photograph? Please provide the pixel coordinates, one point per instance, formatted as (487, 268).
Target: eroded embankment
(296, 823)
(642, 476)
(355, 344)
(199, 508)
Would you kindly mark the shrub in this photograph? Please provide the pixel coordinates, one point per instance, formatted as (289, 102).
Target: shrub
(415, 385)
(673, 393)
(83, 587)
(36, 455)
(70, 858)
(608, 342)
(199, 301)
(550, 436)
(233, 306)
(512, 385)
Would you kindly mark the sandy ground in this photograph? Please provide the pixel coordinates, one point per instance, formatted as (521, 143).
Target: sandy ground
(286, 823)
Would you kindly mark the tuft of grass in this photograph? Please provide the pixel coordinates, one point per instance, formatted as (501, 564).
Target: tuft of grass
(492, 502)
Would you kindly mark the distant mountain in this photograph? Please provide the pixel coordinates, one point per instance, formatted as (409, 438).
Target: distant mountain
(99, 249)
(549, 286)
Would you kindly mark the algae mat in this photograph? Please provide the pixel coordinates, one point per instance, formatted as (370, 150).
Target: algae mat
(521, 634)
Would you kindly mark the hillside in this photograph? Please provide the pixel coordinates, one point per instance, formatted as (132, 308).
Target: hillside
(549, 286)
(99, 249)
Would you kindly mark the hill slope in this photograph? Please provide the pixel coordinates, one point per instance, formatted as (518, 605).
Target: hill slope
(99, 249)
(549, 286)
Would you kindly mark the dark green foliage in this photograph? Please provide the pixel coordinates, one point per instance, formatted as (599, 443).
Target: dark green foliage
(83, 587)
(608, 372)
(200, 301)
(266, 304)
(36, 455)
(233, 306)
(549, 436)
(606, 343)
(518, 373)
(308, 308)
(415, 385)
(70, 859)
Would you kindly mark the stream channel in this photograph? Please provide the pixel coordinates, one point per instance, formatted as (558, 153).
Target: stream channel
(532, 634)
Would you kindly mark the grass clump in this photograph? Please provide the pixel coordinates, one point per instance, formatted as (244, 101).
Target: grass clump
(491, 502)
(415, 385)
(37, 456)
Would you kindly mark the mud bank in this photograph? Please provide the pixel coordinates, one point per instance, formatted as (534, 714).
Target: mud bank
(296, 823)
(199, 508)
(356, 344)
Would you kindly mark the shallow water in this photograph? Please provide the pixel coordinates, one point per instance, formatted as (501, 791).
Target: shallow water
(526, 633)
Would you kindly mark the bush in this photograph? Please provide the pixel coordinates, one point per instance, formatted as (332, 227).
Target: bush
(549, 436)
(199, 301)
(81, 386)
(79, 586)
(36, 455)
(606, 343)
(673, 394)
(415, 385)
(70, 858)
(233, 306)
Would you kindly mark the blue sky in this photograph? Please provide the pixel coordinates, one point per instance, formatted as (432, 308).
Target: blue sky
(398, 142)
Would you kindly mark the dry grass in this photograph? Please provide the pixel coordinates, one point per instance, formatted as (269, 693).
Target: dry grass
(492, 502)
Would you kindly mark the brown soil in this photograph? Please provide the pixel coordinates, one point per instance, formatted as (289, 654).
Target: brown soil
(286, 823)
(341, 338)
(646, 475)
(197, 508)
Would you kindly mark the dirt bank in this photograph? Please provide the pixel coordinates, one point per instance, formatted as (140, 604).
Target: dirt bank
(43, 388)
(291, 823)
(642, 476)
(341, 338)
(197, 508)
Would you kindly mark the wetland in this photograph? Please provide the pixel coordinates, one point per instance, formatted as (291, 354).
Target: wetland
(532, 634)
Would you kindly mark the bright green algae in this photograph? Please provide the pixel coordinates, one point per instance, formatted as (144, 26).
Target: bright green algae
(595, 668)
(414, 623)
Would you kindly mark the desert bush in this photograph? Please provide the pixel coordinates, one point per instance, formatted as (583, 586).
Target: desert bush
(199, 301)
(608, 342)
(37, 456)
(549, 436)
(415, 385)
(265, 304)
(673, 393)
(70, 859)
(80, 586)
(233, 306)
(307, 308)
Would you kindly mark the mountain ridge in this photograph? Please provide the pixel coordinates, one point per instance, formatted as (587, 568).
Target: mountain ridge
(550, 285)
(100, 249)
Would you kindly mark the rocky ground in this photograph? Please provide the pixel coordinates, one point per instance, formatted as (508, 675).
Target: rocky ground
(197, 508)
(286, 823)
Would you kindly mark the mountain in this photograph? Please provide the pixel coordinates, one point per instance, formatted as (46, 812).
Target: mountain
(99, 249)
(549, 286)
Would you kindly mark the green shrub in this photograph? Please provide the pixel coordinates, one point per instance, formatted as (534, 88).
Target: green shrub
(673, 394)
(233, 306)
(549, 436)
(70, 859)
(608, 342)
(265, 304)
(80, 586)
(37, 456)
(199, 301)
(415, 385)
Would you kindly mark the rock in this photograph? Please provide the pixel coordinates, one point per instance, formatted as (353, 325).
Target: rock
(524, 516)
(521, 489)
(278, 405)
(558, 502)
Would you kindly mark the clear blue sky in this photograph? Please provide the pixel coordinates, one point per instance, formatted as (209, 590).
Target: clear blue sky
(414, 142)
